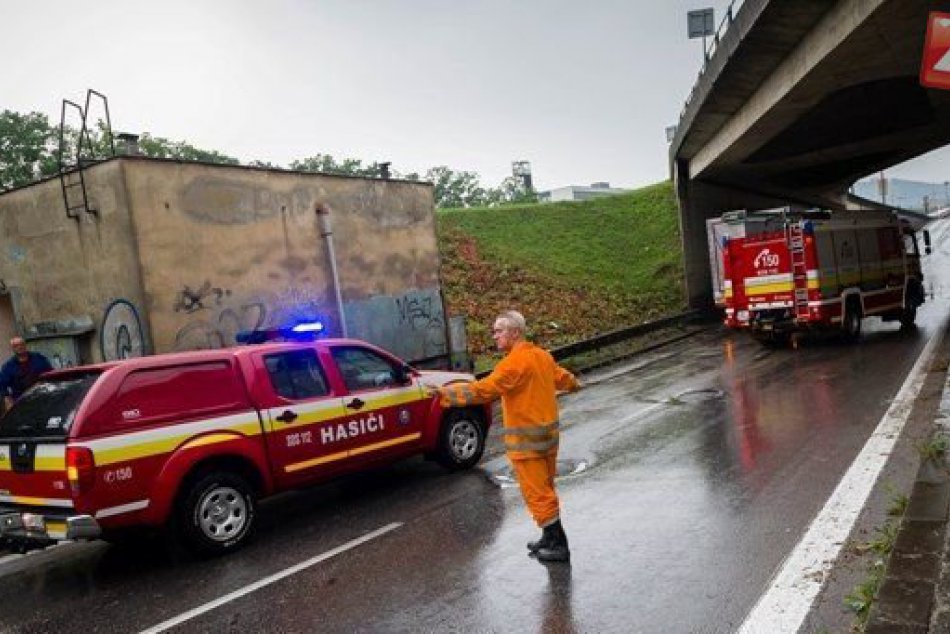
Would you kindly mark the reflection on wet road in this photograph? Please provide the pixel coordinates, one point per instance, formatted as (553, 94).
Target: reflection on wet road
(703, 464)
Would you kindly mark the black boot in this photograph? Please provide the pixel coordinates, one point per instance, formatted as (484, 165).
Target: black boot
(557, 549)
(547, 537)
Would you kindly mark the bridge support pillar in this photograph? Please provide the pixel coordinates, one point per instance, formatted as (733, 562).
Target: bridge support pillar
(698, 202)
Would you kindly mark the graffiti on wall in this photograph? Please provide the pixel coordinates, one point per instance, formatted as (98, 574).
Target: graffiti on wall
(189, 300)
(411, 325)
(216, 315)
(418, 312)
(121, 335)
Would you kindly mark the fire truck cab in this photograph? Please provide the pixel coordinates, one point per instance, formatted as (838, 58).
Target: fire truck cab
(786, 271)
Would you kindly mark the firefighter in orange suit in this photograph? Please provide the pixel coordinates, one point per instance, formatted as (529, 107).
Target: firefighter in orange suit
(527, 381)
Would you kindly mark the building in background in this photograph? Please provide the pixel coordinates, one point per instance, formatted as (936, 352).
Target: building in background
(905, 194)
(165, 255)
(579, 192)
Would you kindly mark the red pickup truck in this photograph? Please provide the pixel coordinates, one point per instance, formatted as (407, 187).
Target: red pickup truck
(190, 441)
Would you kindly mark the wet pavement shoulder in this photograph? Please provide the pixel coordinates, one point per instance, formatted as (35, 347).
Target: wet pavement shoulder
(915, 594)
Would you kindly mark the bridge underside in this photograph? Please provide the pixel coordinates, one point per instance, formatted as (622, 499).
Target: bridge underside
(804, 99)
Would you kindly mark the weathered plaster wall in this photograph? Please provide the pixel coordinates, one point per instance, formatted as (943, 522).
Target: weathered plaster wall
(228, 249)
(65, 276)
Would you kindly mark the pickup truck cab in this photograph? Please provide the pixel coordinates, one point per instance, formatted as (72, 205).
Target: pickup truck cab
(189, 442)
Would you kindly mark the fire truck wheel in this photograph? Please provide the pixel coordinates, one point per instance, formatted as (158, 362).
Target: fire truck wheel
(908, 317)
(461, 440)
(852, 321)
(216, 514)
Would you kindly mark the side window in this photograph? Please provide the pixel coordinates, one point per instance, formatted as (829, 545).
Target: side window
(364, 369)
(910, 244)
(296, 375)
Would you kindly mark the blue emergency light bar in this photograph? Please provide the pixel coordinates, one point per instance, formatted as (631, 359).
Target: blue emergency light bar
(304, 331)
(313, 326)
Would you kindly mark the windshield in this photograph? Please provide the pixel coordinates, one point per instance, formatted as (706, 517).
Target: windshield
(47, 409)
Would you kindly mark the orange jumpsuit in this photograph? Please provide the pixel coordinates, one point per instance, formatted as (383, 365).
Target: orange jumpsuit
(527, 381)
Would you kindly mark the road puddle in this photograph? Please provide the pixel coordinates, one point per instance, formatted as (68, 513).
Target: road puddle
(504, 477)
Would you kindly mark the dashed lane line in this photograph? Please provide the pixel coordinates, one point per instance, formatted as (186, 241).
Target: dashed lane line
(266, 581)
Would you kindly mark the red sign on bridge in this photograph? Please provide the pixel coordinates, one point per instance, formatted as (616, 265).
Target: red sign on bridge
(935, 65)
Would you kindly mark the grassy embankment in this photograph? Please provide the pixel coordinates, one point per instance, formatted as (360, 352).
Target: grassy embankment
(574, 269)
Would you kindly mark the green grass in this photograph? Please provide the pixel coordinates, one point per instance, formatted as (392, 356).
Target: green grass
(620, 244)
(935, 448)
(574, 269)
(879, 547)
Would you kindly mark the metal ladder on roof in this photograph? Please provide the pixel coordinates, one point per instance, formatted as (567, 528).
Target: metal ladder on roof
(796, 249)
(71, 165)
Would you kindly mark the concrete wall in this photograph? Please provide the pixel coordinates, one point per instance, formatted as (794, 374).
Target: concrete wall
(228, 249)
(185, 255)
(63, 275)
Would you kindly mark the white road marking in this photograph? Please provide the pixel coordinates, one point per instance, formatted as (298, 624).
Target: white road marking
(792, 591)
(266, 581)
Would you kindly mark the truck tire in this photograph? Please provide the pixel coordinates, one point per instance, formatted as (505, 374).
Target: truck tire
(851, 322)
(913, 298)
(909, 316)
(216, 513)
(461, 440)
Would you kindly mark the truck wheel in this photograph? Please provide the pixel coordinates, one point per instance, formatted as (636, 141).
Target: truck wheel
(461, 440)
(851, 325)
(909, 316)
(216, 514)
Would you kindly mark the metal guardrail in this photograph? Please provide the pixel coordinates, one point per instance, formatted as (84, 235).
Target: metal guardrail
(713, 46)
(616, 336)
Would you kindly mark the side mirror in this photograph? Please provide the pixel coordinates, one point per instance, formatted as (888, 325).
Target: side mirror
(402, 375)
(927, 248)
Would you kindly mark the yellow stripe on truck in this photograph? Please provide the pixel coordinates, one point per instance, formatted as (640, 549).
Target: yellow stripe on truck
(31, 501)
(169, 443)
(777, 287)
(340, 455)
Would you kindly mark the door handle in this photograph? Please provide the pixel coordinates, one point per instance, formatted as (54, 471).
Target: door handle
(355, 404)
(287, 416)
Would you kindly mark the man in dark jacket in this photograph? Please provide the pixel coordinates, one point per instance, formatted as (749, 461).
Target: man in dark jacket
(21, 370)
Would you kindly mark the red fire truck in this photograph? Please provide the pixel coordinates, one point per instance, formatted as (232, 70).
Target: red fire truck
(786, 271)
(190, 441)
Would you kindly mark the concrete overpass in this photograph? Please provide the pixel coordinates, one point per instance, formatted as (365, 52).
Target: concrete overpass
(799, 99)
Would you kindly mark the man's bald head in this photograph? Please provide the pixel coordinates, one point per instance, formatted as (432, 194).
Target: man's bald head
(18, 345)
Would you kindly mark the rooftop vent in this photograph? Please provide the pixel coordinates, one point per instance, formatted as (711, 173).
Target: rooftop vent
(128, 144)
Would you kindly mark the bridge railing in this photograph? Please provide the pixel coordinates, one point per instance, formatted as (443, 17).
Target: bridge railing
(731, 11)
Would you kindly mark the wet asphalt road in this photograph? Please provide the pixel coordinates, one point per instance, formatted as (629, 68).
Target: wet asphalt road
(706, 461)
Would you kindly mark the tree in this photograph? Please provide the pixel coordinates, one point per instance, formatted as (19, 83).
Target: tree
(326, 164)
(159, 147)
(28, 147)
(512, 191)
(264, 164)
(457, 189)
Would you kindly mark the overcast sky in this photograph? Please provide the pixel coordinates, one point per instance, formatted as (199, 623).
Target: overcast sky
(582, 90)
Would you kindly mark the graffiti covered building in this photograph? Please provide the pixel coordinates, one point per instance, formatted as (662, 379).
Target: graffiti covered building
(167, 255)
